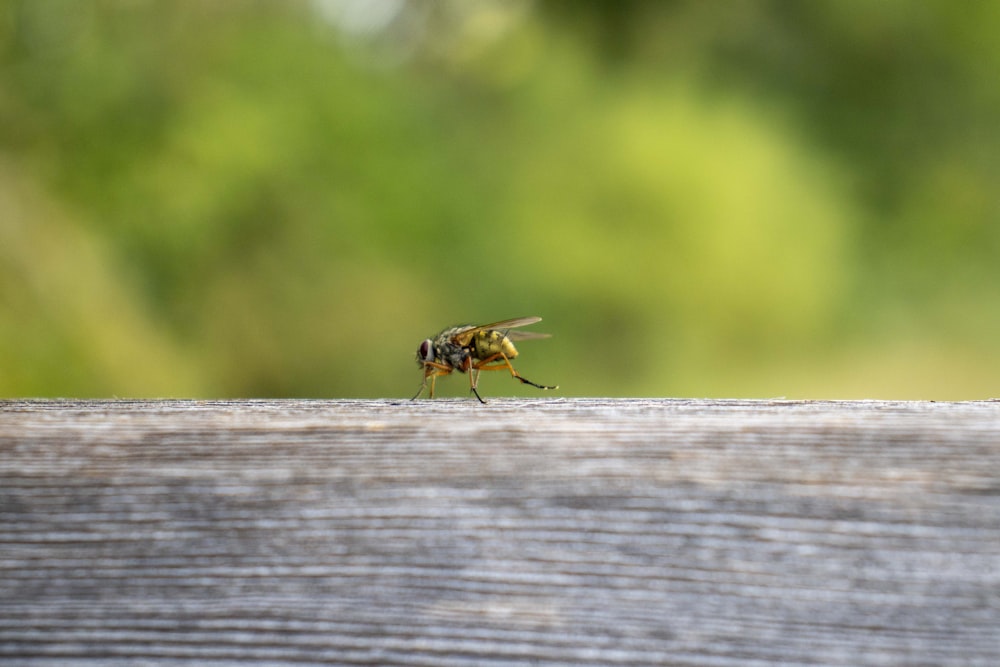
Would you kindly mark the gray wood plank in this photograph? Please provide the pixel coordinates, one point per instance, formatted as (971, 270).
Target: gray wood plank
(521, 532)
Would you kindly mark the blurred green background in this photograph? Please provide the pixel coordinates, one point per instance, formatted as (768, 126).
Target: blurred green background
(742, 198)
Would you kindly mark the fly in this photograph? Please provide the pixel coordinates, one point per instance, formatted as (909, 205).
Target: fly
(471, 349)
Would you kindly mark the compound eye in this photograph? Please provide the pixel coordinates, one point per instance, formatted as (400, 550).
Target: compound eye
(426, 351)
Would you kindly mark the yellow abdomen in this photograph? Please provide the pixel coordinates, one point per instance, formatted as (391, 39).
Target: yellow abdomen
(486, 344)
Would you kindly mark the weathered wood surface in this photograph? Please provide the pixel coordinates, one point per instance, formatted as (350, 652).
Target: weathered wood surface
(569, 532)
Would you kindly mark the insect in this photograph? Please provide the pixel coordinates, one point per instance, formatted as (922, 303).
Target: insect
(470, 348)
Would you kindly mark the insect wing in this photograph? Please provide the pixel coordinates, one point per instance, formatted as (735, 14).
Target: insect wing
(527, 335)
(463, 336)
(512, 323)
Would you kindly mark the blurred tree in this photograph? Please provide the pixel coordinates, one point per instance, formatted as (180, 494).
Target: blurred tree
(283, 199)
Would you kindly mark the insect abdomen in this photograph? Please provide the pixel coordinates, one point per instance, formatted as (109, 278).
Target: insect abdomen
(487, 344)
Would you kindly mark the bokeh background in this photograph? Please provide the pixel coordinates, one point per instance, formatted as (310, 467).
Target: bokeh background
(749, 198)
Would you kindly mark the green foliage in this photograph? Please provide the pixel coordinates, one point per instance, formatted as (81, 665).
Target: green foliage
(266, 199)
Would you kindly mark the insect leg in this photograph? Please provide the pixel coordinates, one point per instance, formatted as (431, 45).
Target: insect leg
(474, 383)
(421, 390)
(505, 365)
(431, 370)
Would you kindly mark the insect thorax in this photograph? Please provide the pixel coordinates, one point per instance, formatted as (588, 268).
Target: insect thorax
(452, 355)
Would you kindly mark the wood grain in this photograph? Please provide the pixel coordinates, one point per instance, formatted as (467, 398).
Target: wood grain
(521, 532)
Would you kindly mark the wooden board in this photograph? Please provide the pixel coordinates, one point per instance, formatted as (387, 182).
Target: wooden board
(521, 532)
